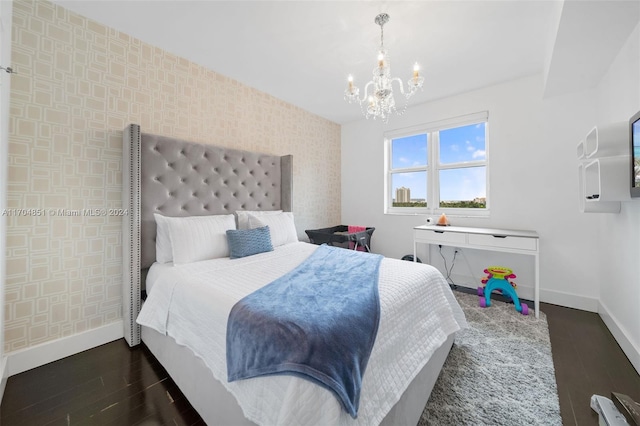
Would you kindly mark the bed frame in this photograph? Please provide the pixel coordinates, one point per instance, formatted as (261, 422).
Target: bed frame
(179, 178)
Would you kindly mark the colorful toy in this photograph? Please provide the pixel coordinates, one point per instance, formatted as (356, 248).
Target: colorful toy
(498, 280)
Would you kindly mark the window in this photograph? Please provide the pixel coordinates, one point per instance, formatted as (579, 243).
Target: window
(439, 167)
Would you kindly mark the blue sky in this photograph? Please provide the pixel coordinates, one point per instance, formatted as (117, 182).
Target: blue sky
(460, 144)
(409, 152)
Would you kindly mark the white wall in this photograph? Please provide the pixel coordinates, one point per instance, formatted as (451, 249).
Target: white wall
(533, 184)
(618, 98)
(587, 261)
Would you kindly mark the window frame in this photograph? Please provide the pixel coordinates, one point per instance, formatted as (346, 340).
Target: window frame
(433, 166)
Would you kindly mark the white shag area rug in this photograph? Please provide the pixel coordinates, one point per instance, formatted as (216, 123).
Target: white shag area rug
(499, 372)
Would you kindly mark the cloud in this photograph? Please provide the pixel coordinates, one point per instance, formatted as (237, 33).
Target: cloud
(410, 161)
(480, 153)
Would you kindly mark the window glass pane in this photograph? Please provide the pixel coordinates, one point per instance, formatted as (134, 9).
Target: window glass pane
(410, 151)
(462, 144)
(409, 189)
(465, 187)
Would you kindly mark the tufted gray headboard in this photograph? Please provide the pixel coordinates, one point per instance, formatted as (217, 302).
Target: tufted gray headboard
(174, 177)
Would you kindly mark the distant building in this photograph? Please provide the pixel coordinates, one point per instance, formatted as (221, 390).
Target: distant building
(480, 200)
(403, 195)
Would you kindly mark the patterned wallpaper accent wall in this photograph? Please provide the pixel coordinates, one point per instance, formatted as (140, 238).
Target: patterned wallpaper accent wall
(78, 85)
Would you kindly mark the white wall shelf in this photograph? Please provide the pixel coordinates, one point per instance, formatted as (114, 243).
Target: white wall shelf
(593, 206)
(605, 179)
(603, 172)
(606, 141)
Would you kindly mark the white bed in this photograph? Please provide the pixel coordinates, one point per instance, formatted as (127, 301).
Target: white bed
(175, 178)
(191, 303)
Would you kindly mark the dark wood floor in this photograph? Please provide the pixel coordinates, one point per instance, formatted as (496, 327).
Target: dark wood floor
(588, 361)
(108, 385)
(116, 385)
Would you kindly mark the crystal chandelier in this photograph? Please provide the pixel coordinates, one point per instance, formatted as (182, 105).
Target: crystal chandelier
(377, 100)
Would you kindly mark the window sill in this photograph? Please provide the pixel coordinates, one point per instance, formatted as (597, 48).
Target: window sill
(484, 214)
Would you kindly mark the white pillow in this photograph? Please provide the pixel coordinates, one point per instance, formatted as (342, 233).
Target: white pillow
(243, 216)
(281, 227)
(163, 240)
(195, 238)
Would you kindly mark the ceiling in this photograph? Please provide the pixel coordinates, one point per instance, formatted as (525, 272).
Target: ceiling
(303, 51)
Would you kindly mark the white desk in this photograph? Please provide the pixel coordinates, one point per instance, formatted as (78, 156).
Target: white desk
(505, 240)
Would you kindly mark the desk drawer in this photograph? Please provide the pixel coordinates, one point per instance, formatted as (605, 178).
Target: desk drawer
(521, 243)
(441, 237)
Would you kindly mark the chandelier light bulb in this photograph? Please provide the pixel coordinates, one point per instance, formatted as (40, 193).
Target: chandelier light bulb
(371, 109)
(351, 92)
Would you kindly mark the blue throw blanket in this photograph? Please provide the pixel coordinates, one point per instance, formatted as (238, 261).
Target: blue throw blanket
(318, 321)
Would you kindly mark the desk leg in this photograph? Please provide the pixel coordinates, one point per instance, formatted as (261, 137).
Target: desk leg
(415, 259)
(536, 291)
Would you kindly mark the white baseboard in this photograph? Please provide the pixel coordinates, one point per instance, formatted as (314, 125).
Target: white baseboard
(560, 298)
(35, 356)
(621, 335)
(569, 300)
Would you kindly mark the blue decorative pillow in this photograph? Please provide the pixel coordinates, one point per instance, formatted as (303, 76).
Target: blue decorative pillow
(247, 242)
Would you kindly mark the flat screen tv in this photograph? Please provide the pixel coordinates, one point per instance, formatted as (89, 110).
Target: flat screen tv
(634, 142)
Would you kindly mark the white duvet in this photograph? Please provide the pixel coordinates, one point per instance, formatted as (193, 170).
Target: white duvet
(191, 303)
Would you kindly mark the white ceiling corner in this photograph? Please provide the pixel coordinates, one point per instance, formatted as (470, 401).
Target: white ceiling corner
(588, 37)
